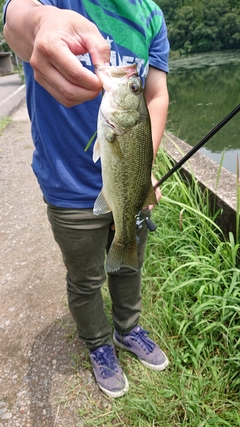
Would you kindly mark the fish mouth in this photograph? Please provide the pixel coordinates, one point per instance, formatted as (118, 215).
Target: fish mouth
(124, 71)
(109, 123)
(108, 72)
(117, 70)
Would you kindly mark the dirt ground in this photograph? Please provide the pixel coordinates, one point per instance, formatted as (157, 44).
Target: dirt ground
(39, 382)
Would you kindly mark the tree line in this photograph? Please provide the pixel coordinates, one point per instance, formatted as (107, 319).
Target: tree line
(3, 45)
(202, 25)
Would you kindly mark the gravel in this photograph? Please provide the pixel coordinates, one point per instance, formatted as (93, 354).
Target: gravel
(45, 375)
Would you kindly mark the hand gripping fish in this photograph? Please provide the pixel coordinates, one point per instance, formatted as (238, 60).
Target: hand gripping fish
(124, 145)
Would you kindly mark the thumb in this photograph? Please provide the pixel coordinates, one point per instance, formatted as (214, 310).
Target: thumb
(98, 48)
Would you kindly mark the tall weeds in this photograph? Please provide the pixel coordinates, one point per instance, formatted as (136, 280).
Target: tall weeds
(191, 271)
(191, 305)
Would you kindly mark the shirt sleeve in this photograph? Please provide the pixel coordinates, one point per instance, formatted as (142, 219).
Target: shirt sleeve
(159, 49)
(5, 10)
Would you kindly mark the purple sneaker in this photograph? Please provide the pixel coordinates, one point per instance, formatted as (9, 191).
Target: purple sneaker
(108, 373)
(148, 352)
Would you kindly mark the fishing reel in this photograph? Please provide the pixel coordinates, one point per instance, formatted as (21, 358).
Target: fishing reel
(150, 224)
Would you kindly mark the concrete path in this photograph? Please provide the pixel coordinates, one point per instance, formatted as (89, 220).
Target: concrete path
(12, 94)
(45, 375)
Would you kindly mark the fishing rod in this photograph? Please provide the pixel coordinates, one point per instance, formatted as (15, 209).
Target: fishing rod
(198, 146)
(151, 226)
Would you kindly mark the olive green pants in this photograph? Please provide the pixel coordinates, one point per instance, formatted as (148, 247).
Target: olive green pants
(84, 240)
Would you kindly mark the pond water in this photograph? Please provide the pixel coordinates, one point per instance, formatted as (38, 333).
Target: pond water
(203, 90)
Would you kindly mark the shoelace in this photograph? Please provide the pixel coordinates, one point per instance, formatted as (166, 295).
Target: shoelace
(141, 337)
(106, 360)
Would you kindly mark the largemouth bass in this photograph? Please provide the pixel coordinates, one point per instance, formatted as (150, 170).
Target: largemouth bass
(124, 144)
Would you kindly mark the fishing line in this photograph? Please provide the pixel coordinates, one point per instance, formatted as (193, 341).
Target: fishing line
(151, 226)
(198, 146)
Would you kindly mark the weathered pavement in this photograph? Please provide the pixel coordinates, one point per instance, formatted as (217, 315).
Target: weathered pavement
(12, 93)
(44, 374)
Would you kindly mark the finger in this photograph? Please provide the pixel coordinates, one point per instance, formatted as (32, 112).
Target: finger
(100, 58)
(73, 71)
(158, 197)
(157, 190)
(68, 91)
(62, 55)
(158, 194)
(64, 91)
(66, 63)
(96, 45)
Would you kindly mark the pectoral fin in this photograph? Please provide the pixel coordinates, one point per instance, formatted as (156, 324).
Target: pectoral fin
(96, 151)
(100, 205)
(116, 150)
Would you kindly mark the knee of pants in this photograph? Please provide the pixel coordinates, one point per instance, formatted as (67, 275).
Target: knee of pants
(85, 287)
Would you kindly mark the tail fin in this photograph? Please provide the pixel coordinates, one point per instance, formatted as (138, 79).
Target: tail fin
(122, 256)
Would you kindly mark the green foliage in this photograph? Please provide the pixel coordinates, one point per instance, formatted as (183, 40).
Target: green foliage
(4, 122)
(201, 26)
(191, 305)
(3, 45)
(1, 24)
(1, 10)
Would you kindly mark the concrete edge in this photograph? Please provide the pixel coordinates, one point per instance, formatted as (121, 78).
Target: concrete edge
(221, 184)
(21, 113)
(13, 101)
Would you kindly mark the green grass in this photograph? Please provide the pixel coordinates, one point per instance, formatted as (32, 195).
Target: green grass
(191, 304)
(4, 122)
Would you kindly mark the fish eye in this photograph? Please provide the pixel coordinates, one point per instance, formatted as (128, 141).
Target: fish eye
(134, 86)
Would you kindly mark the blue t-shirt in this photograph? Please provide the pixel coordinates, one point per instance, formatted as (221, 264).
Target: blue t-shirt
(67, 175)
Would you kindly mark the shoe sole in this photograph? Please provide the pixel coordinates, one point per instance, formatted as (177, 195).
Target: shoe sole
(142, 361)
(115, 394)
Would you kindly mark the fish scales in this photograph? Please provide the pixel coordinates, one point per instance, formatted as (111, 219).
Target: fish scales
(124, 144)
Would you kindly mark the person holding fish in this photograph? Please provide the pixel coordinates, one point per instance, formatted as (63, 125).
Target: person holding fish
(70, 51)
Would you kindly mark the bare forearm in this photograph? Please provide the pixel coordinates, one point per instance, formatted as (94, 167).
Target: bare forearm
(22, 22)
(158, 109)
(156, 94)
(51, 39)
